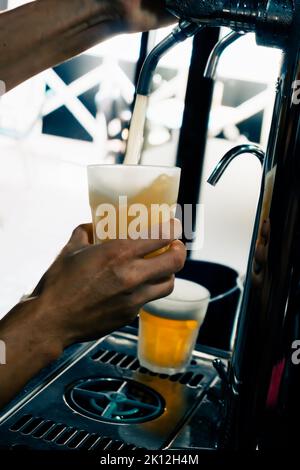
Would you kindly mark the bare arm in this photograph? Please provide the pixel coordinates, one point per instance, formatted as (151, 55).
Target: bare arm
(69, 305)
(44, 33)
(88, 292)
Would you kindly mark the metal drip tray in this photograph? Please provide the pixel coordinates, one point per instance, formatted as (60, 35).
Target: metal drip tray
(103, 399)
(115, 400)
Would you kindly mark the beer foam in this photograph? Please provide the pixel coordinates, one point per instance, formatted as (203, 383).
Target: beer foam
(112, 181)
(188, 301)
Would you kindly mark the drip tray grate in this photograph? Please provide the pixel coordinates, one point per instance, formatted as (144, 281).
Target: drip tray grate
(66, 436)
(130, 362)
(105, 400)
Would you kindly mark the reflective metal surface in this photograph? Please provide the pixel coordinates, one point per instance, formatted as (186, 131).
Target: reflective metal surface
(180, 33)
(215, 56)
(263, 389)
(106, 397)
(230, 156)
(270, 20)
(273, 271)
(113, 400)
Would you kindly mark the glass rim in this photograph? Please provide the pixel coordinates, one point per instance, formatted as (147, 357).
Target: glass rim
(211, 297)
(193, 301)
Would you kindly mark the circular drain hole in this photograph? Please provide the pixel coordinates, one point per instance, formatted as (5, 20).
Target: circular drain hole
(114, 400)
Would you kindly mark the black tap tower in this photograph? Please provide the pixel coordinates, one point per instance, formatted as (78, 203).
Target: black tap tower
(263, 383)
(269, 19)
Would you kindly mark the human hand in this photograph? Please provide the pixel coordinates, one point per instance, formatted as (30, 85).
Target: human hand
(142, 15)
(91, 290)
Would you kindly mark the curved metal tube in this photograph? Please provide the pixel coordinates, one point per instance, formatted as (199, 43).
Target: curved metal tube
(230, 156)
(214, 58)
(183, 31)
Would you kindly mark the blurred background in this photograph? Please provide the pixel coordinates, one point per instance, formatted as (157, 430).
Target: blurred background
(78, 113)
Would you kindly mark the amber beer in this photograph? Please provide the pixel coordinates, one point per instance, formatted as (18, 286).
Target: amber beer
(169, 328)
(127, 200)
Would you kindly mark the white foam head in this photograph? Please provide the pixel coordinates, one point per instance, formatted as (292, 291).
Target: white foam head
(113, 181)
(188, 301)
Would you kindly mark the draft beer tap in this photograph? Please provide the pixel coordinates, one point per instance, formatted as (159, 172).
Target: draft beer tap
(270, 303)
(269, 19)
(214, 58)
(231, 155)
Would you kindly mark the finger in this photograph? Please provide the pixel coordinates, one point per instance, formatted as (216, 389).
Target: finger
(160, 280)
(40, 287)
(265, 231)
(126, 277)
(149, 292)
(164, 265)
(160, 16)
(261, 254)
(126, 270)
(130, 249)
(157, 237)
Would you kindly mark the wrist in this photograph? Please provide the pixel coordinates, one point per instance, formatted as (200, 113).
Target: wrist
(23, 330)
(89, 14)
(46, 337)
(28, 348)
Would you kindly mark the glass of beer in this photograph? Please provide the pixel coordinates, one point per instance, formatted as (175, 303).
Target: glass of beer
(128, 201)
(168, 328)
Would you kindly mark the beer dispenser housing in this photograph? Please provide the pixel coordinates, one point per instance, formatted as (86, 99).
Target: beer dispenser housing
(262, 387)
(269, 19)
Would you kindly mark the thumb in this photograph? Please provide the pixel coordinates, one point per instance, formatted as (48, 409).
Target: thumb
(81, 237)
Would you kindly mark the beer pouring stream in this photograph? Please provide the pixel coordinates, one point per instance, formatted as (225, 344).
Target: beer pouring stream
(182, 32)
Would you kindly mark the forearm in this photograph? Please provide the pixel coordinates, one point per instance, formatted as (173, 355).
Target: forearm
(44, 33)
(29, 347)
